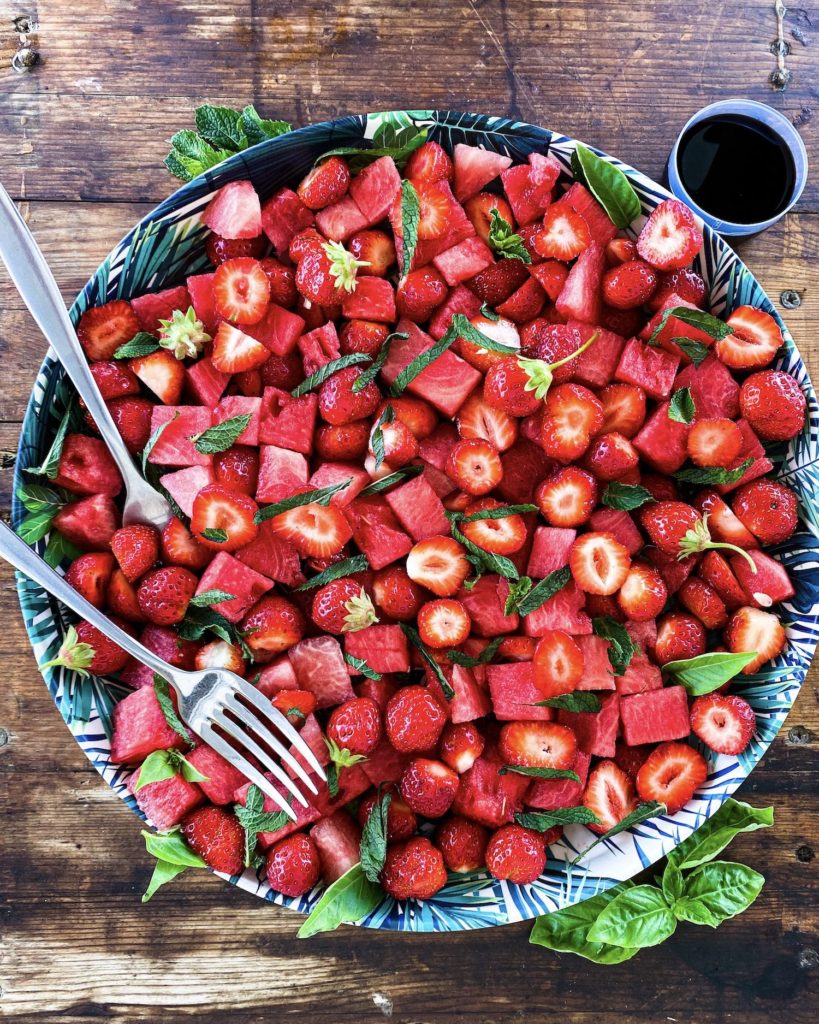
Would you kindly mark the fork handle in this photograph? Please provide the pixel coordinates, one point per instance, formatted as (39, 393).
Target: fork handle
(24, 558)
(35, 283)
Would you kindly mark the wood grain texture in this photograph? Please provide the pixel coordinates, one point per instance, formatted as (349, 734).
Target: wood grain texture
(82, 140)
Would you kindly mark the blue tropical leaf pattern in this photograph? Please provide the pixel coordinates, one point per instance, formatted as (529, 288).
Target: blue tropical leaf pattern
(166, 246)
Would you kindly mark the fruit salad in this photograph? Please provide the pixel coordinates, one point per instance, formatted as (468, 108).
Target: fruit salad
(468, 482)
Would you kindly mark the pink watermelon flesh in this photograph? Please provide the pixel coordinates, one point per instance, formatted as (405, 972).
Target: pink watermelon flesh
(376, 531)
(288, 422)
(751, 449)
(373, 299)
(464, 260)
(769, 585)
(474, 168)
(596, 731)
(342, 219)
(597, 670)
(644, 634)
(281, 473)
(513, 691)
(375, 188)
(205, 382)
(438, 481)
(283, 216)
(524, 304)
(418, 508)
(86, 467)
(528, 200)
(651, 369)
(640, 676)
(655, 717)
(166, 803)
(662, 441)
(524, 465)
(235, 211)
(596, 366)
(311, 734)
(223, 778)
(352, 782)
(174, 446)
(470, 701)
(228, 574)
(550, 550)
(272, 556)
(486, 796)
(485, 603)
(673, 570)
(579, 297)
(320, 668)
(436, 448)
(276, 676)
(385, 764)
(562, 611)
(384, 648)
(337, 839)
(140, 728)
(150, 309)
(279, 329)
(583, 202)
(185, 484)
(318, 347)
(331, 473)
(550, 794)
(713, 388)
(674, 328)
(620, 525)
(459, 300)
(200, 289)
(238, 405)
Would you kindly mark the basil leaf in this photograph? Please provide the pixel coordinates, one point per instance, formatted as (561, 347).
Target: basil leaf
(716, 833)
(348, 900)
(186, 769)
(637, 918)
(362, 666)
(567, 930)
(162, 689)
(504, 241)
(326, 371)
(542, 821)
(59, 548)
(142, 344)
(222, 436)
(467, 661)
(696, 351)
(672, 882)
(410, 217)
(625, 497)
(164, 872)
(411, 633)
(377, 439)
(421, 362)
(721, 889)
(156, 767)
(641, 813)
(621, 647)
(373, 848)
(713, 474)
(707, 672)
(465, 329)
(346, 567)
(42, 504)
(499, 513)
(171, 848)
(609, 186)
(540, 773)
(579, 700)
(705, 322)
(384, 484)
(681, 408)
(322, 496)
(369, 375)
(51, 463)
(544, 590)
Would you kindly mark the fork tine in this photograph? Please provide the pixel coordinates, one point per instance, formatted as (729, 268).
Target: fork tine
(211, 736)
(260, 728)
(237, 733)
(276, 718)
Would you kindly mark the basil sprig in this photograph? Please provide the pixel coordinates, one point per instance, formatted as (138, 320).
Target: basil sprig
(608, 184)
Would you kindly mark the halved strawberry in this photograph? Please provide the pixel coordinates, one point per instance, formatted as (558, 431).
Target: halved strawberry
(714, 569)
(611, 456)
(599, 563)
(670, 238)
(122, 598)
(114, 379)
(643, 594)
(573, 415)
(325, 184)
(102, 329)
(501, 536)
(567, 498)
(179, 547)
(272, 625)
(671, 774)
(439, 564)
(557, 664)
(477, 418)
(538, 744)
(624, 408)
(315, 531)
(163, 373)
(755, 340)
(443, 623)
(375, 250)
(629, 285)
(620, 250)
(90, 575)
(223, 519)
(500, 330)
(235, 352)
(474, 465)
(723, 524)
(241, 290)
(295, 705)
(609, 794)
(479, 210)
(564, 235)
(430, 162)
(752, 629)
(714, 442)
(725, 723)
(136, 548)
(461, 745)
(220, 654)
(702, 600)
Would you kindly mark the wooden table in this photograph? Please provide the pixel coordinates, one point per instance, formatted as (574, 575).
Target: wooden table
(81, 144)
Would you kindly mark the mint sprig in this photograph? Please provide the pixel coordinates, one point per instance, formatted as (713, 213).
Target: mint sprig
(327, 370)
(255, 819)
(321, 496)
(373, 846)
(621, 647)
(346, 567)
(504, 241)
(681, 408)
(545, 589)
(386, 482)
(411, 633)
(222, 436)
(625, 497)
(162, 689)
(410, 218)
(369, 375)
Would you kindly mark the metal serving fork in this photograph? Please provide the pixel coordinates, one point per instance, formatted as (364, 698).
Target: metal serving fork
(35, 283)
(210, 699)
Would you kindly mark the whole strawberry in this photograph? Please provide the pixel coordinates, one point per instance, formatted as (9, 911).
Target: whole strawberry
(413, 870)
(90, 575)
(339, 404)
(164, 595)
(414, 720)
(667, 523)
(462, 843)
(774, 404)
(356, 725)
(401, 819)
(325, 184)
(342, 606)
(516, 854)
(293, 865)
(132, 418)
(218, 838)
(768, 509)
(85, 649)
(429, 786)
(136, 548)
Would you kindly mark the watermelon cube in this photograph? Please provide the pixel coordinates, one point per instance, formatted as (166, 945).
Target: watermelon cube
(279, 330)
(446, 383)
(597, 365)
(474, 168)
(228, 574)
(330, 473)
(288, 422)
(281, 473)
(769, 585)
(342, 219)
(655, 716)
(562, 611)
(597, 671)
(205, 383)
(418, 508)
(184, 484)
(486, 796)
(583, 202)
(640, 677)
(174, 447)
(283, 216)
(150, 309)
(222, 778)
(375, 188)
(304, 815)
(662, 441)
(238, 405)
(436, 448)
(524, 304)
(463, 260)
(276, 676)
(373, 299)
(528, 188)
(550, 794)
(471, 700)
(166, 803)
(200, 289)
(459, 300)
(140, 728)
(384, 648)
(352, 782)
(551, 276)
(337, 839)
(320, 668)
(524, 465)
(596, 731)
(579, 297)
(652, 369)
(674, 328)
(673, 570)
(86, 467)
(514, 693)
(550, 550)
(620, 525)
(438, 481)
(485, 603)
(376, 531)
(713, 388)
(318, 347)
(385, 763)
(235, 211)
(751, 449)
(458, 227)
(644, 634)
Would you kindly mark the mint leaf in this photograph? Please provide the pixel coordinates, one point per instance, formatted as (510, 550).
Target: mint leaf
(410, 217)
(499, 513)
(220, 132)
(609, 186)
(717, 891)
(705, 322)
(384, 484)
(221, 126)
(504, 241)
(156, 767)
(421, 362)
(696, 351)
(641, 813)
(346, 567)
(348, 900)
(544, 590)
(369, 375)
(411, 633)
(487, 561)
(579, 700)
(540, 773)
(321, 496)
(42, 504)
(707, 672)
(51, 463)
(716, 833)
(191, 155)
(637, 918)
(255, 819)
(625, 497)
(713, 474)
(214, 536)
(488, 313)
(257, 129)
(362, 666)
(396, 144)
(199, 621)
(221, 436)
(681, 408)
(466, 330)
(621, 647)
(567, 930)
(377, 439)
(326, 371)
(518, 590)
(373, 847)
(467, 661)
(210, 597)
(542, 821)
(162, 689)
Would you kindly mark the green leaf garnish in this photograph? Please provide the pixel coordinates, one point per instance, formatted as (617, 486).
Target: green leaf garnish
(377, 439)
(142, 344)
(625, 497)
(411, 633)
(373, 847)
(467, 661)
(540, 773)
(717, 891)
(172, 858)
(320, 496)
(346, 567)
(151, 443)
(348, 900)
(707, 475)
(164, 764)
(641, 813)
(369, 375)
(621, 647)
(711, 838)
(567, 930)
(162, 689)
(421, 362)
(362, 666)
(467, 331)
(544, 590)
(518, 591)
(681, 408)
(696, 351)
(609, 186)
(499, 513)
(50, 465)
(542, 821)
(210, 597)
(410, 217)
(707, 672)
(637, 918)
(255, 819)
(58, 549)
(42, 504)
(384, 484)
(579, 700)
(215, 536)
(398, 143)
(705, 322)
(221, 436)
(487, 561)
(504, 241)
(326, 371)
